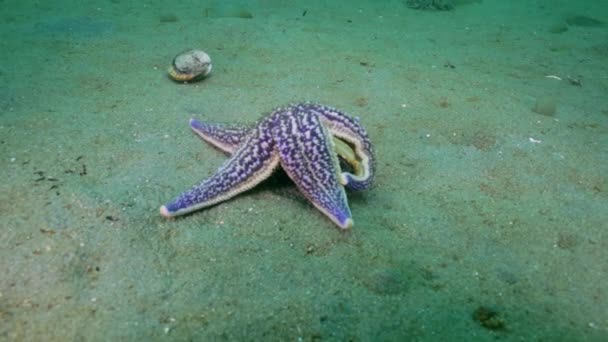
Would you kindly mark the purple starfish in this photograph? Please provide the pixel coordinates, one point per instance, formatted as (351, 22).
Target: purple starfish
(313, 143)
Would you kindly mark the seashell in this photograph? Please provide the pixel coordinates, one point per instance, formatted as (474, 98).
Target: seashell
(190, 65)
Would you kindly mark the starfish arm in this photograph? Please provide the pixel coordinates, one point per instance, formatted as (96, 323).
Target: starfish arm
(307, 155)
(251, 163)
(225, 137)
(350, 131)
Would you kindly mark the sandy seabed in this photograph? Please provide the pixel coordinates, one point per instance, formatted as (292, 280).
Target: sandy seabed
(487, 220)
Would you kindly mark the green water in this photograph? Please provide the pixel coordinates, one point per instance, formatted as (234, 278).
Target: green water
(488, 219)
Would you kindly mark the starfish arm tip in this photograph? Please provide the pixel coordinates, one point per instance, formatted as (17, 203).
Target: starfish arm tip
(193, 122)
(165, 212)
(347, 224)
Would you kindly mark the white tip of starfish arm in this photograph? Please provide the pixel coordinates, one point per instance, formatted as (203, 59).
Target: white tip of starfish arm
(165, 212)
(347, 224)
(343, 220)
(342, 178)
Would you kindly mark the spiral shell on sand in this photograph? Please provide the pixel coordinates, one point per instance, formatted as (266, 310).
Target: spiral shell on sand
(190, 65)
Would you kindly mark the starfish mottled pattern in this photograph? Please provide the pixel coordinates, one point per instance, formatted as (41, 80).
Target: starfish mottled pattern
(322, 149)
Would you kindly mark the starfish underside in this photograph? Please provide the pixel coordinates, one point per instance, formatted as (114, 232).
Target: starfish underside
(320, 148)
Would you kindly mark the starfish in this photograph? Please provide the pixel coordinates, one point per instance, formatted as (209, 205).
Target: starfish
(322, 149)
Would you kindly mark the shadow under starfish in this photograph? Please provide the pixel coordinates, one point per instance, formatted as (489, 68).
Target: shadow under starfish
(322, 149)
